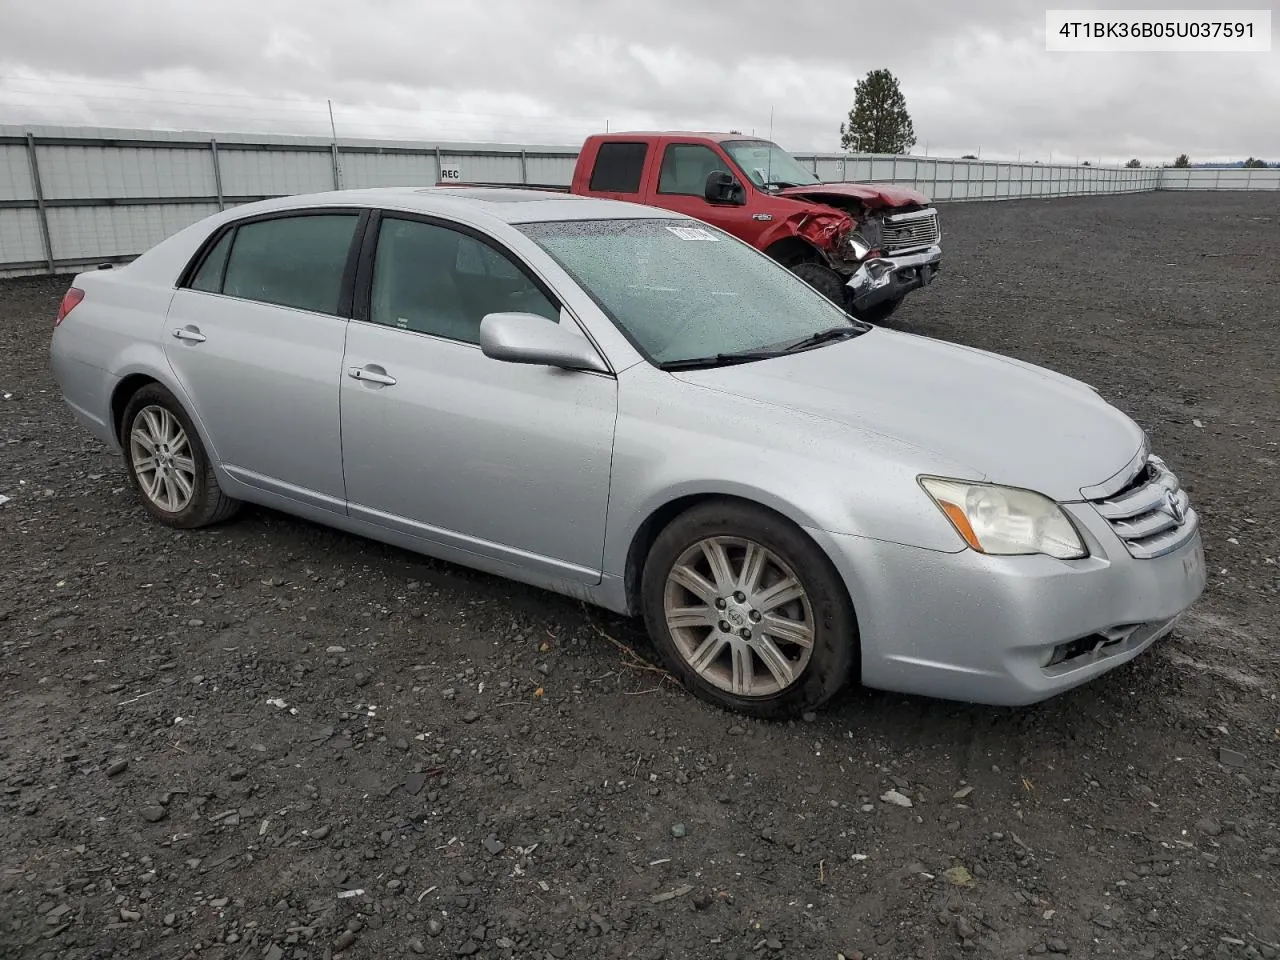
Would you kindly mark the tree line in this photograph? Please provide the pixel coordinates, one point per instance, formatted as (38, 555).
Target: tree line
(879, 122)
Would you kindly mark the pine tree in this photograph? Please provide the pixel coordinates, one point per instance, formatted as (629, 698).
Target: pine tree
(878, 121)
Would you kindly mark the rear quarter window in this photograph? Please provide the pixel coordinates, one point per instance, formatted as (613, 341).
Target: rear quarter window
(209, 277)
(619, 167)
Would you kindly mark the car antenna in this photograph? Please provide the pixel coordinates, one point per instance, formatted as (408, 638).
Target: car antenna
(768, 179)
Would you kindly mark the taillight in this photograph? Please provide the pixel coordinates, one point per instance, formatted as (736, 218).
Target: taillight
(69, 301)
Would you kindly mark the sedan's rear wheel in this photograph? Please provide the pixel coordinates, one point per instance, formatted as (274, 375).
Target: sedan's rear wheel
(747, 611)
(167, 463)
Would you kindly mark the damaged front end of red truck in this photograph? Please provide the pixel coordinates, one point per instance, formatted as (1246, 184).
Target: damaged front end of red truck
(868, 246)
(864, 245)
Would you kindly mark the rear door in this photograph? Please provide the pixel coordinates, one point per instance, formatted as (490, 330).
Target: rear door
(617, 171)
(255, 337)
(680, 185)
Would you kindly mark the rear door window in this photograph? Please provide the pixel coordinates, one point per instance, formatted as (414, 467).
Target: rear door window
(290, 261)
(619, 167)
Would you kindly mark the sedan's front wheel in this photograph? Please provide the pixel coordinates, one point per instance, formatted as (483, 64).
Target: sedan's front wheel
(747, 611)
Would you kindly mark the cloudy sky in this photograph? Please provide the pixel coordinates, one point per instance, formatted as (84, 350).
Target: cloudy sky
(975, 73)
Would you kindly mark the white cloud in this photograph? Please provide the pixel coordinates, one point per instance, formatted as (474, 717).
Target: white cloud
(975, 74)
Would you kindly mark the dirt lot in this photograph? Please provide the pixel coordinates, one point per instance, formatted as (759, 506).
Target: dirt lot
(269, 740)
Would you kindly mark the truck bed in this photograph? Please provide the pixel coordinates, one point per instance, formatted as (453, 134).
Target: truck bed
(550, 187)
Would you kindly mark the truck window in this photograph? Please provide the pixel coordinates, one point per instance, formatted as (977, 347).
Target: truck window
(685, 167)
(619, 167)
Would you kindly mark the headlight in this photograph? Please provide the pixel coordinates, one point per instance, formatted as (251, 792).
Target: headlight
(1005, 521)
(856, 247)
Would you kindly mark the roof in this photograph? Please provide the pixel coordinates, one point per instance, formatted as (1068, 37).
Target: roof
(514, 205)
(703, 134)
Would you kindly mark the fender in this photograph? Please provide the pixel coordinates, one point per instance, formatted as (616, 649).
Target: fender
(794, 225)
(622, 532)
(626, 538)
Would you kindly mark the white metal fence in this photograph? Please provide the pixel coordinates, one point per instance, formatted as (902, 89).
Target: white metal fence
(73, 197)
(1220, 178)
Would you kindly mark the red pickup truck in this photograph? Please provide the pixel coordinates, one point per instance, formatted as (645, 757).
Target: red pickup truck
(864, 246)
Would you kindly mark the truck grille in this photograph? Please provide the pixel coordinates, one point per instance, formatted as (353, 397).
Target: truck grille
(909, 231)
(1151, 514)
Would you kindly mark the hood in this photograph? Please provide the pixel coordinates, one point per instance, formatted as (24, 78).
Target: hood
(1011, 422)
(873, 195)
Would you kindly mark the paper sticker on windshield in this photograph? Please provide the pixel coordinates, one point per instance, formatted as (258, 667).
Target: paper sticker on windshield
(693, 233)
(761, 174)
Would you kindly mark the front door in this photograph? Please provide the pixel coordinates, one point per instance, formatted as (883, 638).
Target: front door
(506, 461)
(255, 339)
(681, 186)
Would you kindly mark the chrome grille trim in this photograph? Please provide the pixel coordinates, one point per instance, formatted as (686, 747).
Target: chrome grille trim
(1151, 513)
(909, 231)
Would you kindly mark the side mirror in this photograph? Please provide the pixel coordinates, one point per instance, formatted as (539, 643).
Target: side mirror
(529, 338)
(721, 187)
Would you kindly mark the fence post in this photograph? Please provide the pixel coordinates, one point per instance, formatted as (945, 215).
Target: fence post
(43, 211)
(217, 174)
(524, 166)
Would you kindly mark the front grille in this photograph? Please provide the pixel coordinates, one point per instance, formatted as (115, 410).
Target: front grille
(1151, 514)
(908, 231)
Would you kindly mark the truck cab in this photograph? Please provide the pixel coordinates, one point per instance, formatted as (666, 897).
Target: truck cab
(863, 246)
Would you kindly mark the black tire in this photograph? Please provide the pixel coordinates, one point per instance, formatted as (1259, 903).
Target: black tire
(880, 312)
(207, 504)
(835, 647)
(823, 279)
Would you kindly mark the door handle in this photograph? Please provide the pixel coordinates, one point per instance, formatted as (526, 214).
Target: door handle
(371, 375)
(189, 334)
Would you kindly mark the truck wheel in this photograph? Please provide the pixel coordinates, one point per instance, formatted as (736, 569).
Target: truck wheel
(880, 312)
(823, 279)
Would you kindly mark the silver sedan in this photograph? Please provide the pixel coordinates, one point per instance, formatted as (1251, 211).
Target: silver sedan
(630, 407)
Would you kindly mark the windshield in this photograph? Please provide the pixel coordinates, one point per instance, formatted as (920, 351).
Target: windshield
(682, 290)
(768, 164)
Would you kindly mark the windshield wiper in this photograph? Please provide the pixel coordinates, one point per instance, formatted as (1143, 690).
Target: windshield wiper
(721, 359)
(823, 336)
(746, 356)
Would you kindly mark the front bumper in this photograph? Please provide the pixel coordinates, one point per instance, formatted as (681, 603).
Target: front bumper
(881, 279)
(1009, 630)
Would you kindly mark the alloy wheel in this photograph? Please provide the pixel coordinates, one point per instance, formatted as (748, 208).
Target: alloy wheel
(739, 616)
(162, 459)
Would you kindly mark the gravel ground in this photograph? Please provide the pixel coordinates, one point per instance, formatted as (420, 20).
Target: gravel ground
(270, 740)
